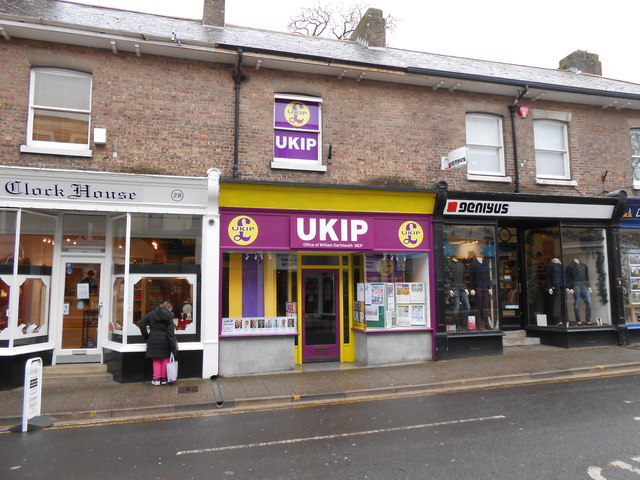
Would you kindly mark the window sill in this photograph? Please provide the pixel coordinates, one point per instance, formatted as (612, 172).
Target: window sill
(67, 152)
(636, 185)
(488, 178)
(548, 181)
(311, 167)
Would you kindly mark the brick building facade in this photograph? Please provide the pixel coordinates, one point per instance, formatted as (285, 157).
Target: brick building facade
(196, 104)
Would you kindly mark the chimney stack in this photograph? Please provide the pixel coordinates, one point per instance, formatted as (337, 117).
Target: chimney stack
(213, 13)
(371, 31)
(583, 61)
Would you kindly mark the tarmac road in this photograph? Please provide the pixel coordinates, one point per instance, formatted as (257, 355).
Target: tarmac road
(566, 430)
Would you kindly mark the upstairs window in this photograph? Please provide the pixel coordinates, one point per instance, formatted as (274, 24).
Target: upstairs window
(297, 133)
(485, 152)
(552, 155)
(635, 156)
(59, 112)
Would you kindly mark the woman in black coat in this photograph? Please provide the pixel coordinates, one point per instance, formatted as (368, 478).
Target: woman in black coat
(161, 340)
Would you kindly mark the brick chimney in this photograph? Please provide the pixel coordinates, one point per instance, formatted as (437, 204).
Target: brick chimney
(371, 31)
(582, 60)
(213, 13)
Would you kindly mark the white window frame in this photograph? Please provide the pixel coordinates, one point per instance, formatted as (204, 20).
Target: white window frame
(564, 152)
(56, 148)
(635, 158)
(498, 175)
(308, 165)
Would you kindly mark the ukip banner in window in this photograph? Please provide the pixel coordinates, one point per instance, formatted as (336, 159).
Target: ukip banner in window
(248, 229)
(296, 130)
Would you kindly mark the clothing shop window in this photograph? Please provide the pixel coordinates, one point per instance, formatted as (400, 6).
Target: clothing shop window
(297, 133)
(485, 152)
(635, 156)
(567, 272)
(470, 278)
(59, 112)
(552, 156)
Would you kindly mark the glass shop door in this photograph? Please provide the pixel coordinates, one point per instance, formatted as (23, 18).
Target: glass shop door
(509, 287)
(81, 309)
(321, 316)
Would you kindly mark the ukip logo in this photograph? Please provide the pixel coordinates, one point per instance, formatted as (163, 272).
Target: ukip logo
(297, 114)
(411, 234)
(243, 230)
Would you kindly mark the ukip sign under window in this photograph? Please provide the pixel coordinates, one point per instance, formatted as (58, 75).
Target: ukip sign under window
(296, 135)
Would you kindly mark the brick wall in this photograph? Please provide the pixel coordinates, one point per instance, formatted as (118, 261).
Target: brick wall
(176, 117)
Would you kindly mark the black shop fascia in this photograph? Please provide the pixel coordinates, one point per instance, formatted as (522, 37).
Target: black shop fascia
(517, 268)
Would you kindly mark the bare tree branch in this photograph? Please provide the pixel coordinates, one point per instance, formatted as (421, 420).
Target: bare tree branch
(331, 21)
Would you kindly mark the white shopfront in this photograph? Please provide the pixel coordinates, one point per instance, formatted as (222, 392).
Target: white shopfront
(83, 255)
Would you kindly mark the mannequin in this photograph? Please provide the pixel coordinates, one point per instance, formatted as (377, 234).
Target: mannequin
(480, 279)
(554, 284)
(577, 280)
(459, 293)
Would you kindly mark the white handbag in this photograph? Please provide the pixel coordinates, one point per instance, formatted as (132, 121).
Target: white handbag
(172, 369)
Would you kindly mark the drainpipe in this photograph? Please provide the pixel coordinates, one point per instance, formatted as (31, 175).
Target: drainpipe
(513, 108)
(238, 78)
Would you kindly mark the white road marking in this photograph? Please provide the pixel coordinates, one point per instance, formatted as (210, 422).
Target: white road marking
(594, 472)
(339, 435)
(625, 466)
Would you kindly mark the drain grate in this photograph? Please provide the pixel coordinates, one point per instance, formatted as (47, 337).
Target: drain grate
(189, 389)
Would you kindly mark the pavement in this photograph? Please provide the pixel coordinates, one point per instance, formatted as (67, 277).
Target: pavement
(77, 401)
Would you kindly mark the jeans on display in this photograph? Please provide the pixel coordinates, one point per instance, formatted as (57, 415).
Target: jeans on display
(460, 295)
(582, 293)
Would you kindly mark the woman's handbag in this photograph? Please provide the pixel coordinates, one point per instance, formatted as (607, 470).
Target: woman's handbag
(172, 369)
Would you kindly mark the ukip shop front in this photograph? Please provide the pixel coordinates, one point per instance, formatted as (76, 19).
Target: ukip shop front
(543, 266)
(324, 274)
(84, 255)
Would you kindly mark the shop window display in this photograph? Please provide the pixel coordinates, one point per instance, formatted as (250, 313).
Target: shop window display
(395, 293)
(470, 281)
(630, 263)
(567, 277)
(162, 266)
(259, 293)
(30, 279)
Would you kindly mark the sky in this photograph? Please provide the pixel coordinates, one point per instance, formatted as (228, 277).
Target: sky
(537, 34)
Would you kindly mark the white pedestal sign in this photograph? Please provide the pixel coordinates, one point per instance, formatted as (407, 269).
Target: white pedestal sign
(32, 399)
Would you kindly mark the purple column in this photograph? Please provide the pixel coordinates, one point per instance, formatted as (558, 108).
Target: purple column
(252, 287)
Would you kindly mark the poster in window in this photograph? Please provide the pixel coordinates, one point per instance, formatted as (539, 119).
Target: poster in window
(417, 293)
(403, 292)
(403, 315)
(418, 316)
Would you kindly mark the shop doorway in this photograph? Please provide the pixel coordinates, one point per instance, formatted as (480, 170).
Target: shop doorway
(81, 309)
(510, 287)
(321, 317)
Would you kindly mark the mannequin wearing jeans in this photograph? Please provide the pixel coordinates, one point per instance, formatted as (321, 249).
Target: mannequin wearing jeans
(480, 276)
(459, 293)
(577, 278)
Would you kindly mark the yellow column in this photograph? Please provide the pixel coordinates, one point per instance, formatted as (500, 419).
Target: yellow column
(270, 298)
(235, 285)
